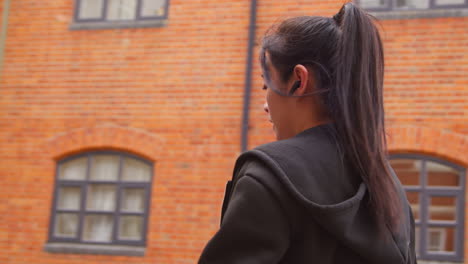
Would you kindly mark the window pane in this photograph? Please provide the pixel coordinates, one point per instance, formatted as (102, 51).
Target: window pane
(121, 9)
(412, 4)
(101, 197)
(407, 170)
(153, 8)
(98, 228)
(372, 3)
(449, 2)
(417, 233)
(415, 203)
(104, 168)
(130, 228)
(443, 208)
(441, 175)
(90, 9)
(441, 239)
(135, 170)
(69, 198)
(133, 200)
(73, 169)
(66, 225)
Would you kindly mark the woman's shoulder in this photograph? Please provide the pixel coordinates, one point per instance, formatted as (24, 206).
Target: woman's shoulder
(310, 166)
(316, 142)
(309, 150)
(263, 173)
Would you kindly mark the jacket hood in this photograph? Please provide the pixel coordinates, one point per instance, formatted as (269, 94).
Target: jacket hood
(314, 171)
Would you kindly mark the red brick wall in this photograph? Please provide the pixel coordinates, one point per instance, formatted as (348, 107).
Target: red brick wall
(174, 95)
(1, 14)
(181, 84)
(426, 72)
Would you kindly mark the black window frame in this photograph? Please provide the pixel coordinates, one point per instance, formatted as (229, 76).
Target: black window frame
(390, 5)
(104, 23)
(120, 185)
(425, 192)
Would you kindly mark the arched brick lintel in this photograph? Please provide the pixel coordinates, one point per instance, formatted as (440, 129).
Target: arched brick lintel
(105, 137)
(444, 144)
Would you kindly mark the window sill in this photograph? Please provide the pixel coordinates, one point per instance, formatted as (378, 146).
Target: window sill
(115, 250)
(437, 262)
(428, 13)
(118, 24)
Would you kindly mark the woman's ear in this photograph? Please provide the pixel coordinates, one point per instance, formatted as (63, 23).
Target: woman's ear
(300, 81)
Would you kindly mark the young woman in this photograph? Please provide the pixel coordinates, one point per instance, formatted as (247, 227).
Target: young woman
(324, 192)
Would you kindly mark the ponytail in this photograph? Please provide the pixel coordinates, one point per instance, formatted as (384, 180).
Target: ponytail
(358, 110)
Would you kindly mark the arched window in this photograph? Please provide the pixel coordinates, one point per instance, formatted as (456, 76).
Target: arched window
(436, 191)
(101, 198)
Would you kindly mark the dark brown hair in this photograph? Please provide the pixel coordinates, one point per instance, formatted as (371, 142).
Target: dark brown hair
(345, 54)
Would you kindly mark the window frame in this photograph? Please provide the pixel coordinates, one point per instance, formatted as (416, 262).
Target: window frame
(104, 23)
(116, 214)
(390, 5)
(425, 193)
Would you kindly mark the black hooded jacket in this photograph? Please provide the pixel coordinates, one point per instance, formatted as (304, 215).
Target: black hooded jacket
(296, 201)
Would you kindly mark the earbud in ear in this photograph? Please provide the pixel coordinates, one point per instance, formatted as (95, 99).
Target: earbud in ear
(295, 86)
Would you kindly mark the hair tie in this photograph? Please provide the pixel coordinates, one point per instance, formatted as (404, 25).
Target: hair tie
(338, 17)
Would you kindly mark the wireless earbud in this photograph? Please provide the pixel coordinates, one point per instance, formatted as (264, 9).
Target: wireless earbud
(295, 86)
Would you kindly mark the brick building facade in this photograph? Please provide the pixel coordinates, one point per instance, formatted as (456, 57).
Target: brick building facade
(160, 94)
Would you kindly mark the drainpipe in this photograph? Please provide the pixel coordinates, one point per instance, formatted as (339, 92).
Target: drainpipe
(3, 33)
(248, 75)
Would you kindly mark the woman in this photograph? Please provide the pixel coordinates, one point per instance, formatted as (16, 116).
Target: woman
(324, 192)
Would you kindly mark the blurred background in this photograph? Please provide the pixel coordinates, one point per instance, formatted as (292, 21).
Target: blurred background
(120, 121)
